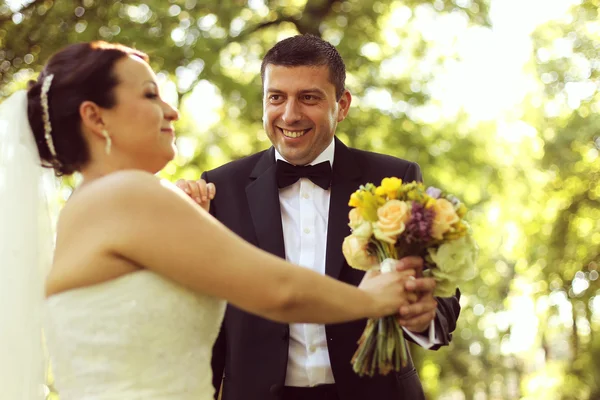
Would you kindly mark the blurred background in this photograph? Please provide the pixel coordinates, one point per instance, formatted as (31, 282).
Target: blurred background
(497, 100)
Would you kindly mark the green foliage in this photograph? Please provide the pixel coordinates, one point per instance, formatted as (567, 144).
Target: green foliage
(534, 196)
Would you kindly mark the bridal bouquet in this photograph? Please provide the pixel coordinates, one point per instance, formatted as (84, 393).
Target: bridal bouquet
(396, 220)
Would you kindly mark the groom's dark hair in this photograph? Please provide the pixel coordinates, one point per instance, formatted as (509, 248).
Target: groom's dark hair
(308, 50)
(82, 72)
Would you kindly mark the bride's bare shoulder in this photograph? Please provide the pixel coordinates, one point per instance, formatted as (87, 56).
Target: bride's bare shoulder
(121, 180)
(119, 189)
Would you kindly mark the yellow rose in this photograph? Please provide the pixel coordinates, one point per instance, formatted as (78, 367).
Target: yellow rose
(355, 251)
(391, 219)
(445, 217)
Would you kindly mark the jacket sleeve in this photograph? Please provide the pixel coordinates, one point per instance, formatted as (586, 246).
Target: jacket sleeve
(219, 348)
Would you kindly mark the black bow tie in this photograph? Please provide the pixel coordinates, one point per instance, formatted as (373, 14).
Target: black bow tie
(288, 174)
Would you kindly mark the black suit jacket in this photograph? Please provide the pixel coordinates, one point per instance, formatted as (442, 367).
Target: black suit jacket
(251, 351)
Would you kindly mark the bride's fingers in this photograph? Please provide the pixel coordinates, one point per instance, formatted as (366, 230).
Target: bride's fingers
(369, 280)
(372, 273)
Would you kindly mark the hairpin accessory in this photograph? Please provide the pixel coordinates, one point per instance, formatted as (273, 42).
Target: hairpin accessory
(46, 114)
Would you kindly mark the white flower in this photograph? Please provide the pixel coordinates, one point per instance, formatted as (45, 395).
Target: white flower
(455, 263)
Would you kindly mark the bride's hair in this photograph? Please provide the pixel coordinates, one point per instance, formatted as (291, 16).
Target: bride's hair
(81, 72)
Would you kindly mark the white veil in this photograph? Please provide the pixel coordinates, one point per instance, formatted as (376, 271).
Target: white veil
(26, 246)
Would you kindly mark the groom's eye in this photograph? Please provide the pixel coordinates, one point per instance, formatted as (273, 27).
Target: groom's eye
(309, 98)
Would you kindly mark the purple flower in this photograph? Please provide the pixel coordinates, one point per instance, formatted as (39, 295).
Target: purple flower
(433, 192)
(418, 228)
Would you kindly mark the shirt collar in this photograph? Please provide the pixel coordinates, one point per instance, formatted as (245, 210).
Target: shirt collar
(326, 155)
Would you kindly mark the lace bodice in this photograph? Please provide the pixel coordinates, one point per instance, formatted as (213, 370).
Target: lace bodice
(139, 336)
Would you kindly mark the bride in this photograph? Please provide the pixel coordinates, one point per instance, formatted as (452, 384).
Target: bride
(140, 273)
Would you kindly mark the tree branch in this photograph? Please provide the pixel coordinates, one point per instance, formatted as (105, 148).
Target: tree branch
(242, 36)
(247, 32)
(314, 13)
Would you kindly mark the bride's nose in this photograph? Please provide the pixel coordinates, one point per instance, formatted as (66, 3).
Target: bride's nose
(171, 113)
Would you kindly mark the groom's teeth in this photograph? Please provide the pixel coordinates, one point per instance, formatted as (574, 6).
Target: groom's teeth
(293, 134)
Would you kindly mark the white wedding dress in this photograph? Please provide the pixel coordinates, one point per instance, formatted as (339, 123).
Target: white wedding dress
(139, 336)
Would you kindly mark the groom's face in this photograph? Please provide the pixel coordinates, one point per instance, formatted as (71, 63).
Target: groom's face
(300, 110)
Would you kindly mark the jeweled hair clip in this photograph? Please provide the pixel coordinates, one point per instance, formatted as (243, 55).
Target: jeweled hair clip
(46, 114)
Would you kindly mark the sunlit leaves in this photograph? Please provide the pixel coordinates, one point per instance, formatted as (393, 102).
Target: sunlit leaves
(530, 176)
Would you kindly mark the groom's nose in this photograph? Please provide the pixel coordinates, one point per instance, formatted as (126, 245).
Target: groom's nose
(291, 113)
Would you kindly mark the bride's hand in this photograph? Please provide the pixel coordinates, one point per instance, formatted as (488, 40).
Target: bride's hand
(200, 191)
(387, 289)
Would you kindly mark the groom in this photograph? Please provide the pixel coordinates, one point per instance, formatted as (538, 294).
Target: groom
(301, 214)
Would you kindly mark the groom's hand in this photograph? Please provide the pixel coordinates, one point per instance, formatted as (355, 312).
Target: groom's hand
(200, 191)
(417, 317)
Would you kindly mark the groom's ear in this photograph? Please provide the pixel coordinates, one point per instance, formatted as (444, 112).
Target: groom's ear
(91, 117)
(344, 105)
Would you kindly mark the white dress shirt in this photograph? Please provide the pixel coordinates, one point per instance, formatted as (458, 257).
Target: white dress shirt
(304, 217)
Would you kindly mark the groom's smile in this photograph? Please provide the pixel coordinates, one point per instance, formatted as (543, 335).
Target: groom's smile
(301, 111)
(293, 133)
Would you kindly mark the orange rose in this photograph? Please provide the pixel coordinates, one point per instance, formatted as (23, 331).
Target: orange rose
(355, 251)
(445, 217)
(391, 219)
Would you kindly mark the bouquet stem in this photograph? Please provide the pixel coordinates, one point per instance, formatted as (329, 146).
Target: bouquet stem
(381, 348)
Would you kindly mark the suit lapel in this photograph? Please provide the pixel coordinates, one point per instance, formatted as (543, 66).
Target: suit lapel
(346, 180)
(263, 201)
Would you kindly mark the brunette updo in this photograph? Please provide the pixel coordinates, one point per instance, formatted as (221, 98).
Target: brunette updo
(82, 72)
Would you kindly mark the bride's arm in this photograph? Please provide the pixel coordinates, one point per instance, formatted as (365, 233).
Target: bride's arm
(135, 216)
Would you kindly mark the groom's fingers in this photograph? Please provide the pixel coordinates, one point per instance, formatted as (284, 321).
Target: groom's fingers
(423, 306)
(420, 285)
(419, 323)
(411, 297)
(411, 262)
(418, 316)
